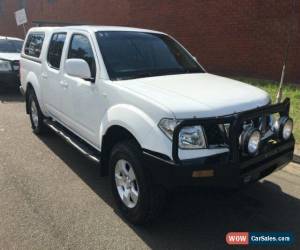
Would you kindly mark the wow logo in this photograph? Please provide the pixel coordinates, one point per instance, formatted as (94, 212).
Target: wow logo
(260, 238)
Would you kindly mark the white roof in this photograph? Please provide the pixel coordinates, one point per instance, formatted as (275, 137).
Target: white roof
(92, 28)
(10, 38)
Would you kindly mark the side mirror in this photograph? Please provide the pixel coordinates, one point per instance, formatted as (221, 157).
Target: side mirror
(78, 68)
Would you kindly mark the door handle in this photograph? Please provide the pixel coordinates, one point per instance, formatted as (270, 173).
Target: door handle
(44, 76)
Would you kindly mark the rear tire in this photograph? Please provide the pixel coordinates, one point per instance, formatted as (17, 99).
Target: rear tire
(144, 201)
(35, 114)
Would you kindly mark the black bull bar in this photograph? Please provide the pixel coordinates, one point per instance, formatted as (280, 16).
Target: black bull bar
(236, 121)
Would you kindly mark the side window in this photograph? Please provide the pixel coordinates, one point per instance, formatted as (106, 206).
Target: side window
(55, 49)
(80, 47)
(34, 43)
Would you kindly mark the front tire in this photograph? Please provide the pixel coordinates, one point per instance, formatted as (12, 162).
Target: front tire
(136, 196)
(35, 114)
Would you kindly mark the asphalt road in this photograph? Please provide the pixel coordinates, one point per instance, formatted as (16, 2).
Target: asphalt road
(52, 198)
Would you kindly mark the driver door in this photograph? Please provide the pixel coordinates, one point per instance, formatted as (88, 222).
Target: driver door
(82, 104)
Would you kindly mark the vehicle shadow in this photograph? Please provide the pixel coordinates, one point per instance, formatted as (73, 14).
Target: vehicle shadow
(197, 218)
(10, 95)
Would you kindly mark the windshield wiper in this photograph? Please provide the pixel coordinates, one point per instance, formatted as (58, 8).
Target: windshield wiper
(187, 71)
(136, 75)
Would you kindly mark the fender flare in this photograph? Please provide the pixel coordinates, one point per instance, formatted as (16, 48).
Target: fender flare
(131, 118)
(32, 80)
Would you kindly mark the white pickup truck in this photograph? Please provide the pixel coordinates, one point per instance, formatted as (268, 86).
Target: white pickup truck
(139, 104)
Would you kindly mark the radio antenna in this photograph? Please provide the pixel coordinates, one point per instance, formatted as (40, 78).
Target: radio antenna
(286, 53)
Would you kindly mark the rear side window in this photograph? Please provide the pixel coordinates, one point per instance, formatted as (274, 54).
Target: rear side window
(81, 48)
(55, 49)
(34, 43)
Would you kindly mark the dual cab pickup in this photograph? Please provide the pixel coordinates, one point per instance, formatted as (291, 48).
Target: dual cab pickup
(140, 105)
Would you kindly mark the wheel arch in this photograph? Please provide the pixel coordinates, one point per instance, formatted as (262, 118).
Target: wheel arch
(32, 83)
(28, 90)
(113, 135)
(122, 122)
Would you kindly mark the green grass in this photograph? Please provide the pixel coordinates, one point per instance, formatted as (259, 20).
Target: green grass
(291, 91)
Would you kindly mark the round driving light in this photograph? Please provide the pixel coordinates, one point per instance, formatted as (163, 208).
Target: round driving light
(253, 142)
(287, 129)
(283, 127)
(250, 141)
(276, 127)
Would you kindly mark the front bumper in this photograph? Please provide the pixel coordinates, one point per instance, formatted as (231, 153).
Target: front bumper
(224, 172)
(229, 169)
(9, 79)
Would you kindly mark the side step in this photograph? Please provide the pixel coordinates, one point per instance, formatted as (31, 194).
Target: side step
(74, 140)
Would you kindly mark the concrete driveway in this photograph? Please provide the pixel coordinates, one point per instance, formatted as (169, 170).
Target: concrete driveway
(52, 198)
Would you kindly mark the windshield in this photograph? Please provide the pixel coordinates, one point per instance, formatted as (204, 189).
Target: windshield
(10, 46)
(129, 55)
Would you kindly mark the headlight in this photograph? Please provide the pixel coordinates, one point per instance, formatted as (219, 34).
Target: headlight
(250, 141)
(168, 126)
(191, 138)
(5, 66)
(283, 127)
